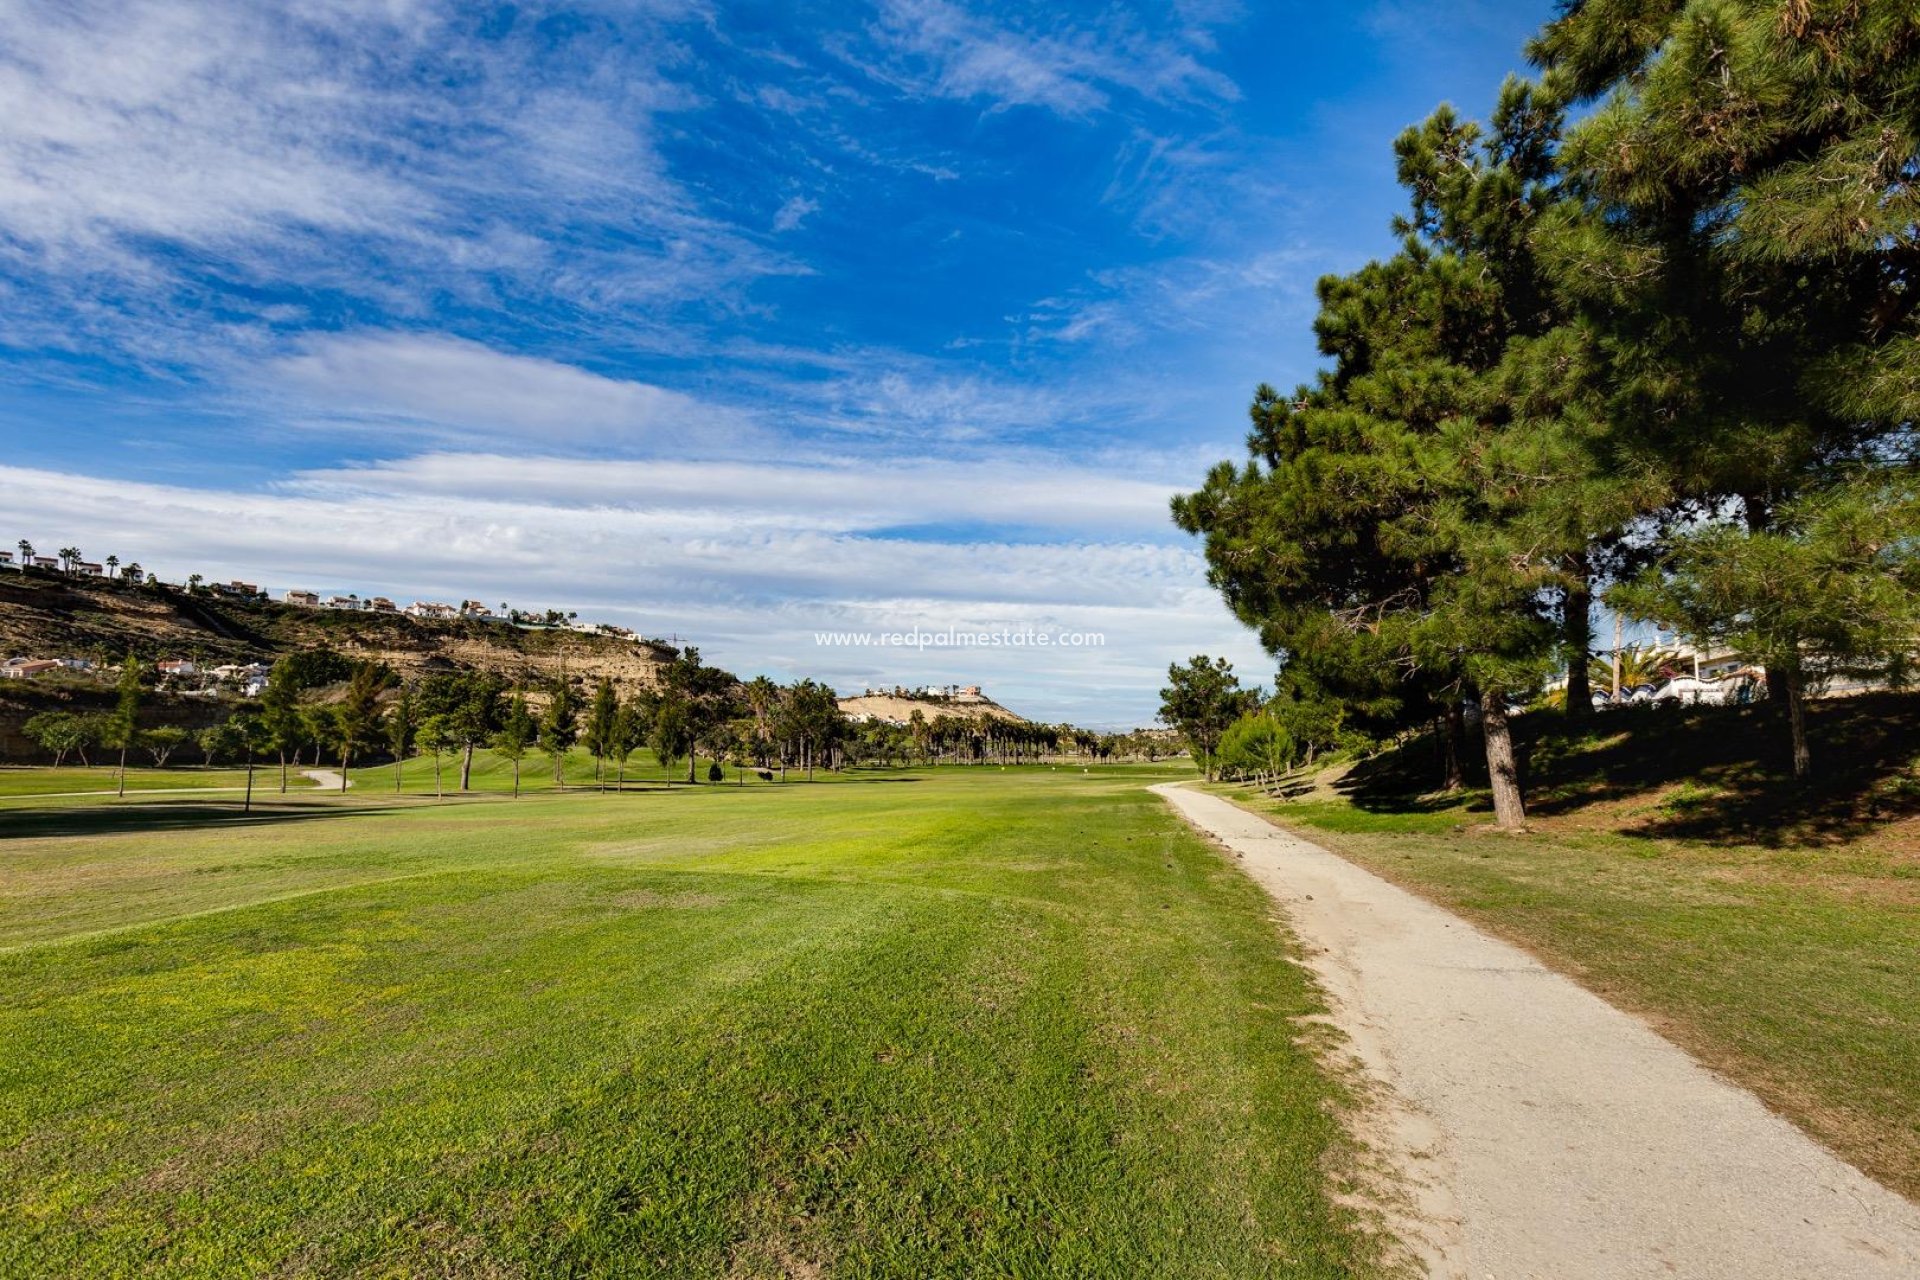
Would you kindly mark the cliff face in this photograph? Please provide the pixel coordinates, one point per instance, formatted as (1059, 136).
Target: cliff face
(885, 706)
(47, 617)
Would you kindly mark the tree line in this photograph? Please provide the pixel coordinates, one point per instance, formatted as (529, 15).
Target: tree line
(1649, 337)
(320, 707)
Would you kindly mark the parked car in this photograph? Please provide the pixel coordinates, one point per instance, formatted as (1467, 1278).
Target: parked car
(1691, 691)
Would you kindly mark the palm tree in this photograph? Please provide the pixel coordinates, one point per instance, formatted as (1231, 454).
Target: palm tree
(26, 552)
(133, 571)
(1639, 665)
(68, 555)
(113, 563)
(193, 582)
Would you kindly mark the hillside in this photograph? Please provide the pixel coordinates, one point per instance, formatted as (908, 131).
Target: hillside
(57, 617)
(898, 709)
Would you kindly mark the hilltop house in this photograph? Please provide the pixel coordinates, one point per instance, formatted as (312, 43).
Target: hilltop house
(6, 560)
(474, 609)
(305, 599)
(431, 609)
(235, 588)
(351, 603)
(380, 604)
(177, 667)
(22, 668)
(45, 562)
(88, 569)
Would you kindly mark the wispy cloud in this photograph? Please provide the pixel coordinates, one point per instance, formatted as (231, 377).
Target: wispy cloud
(940, 48)
(795, 211)
(384, 150)
(446, 387)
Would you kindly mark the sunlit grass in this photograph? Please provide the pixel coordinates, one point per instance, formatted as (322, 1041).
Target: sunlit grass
(949, 1022)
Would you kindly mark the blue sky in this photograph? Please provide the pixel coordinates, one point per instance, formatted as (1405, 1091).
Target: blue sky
(728, 321)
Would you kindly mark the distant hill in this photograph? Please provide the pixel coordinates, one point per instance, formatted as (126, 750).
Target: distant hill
(894, 707)
(48, 617)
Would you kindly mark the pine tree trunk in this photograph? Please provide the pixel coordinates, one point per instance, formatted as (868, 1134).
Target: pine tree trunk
(1797, 718)
(283, 773)
(1577, 634)
(516, 777)
(1509, 809)
(466, 767)
(346, 758)
(123, 771)
(1453, 734)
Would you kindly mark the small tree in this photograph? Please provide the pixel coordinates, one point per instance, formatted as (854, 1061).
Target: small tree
(629, 734)
(1256, 744)
(251, 731)
(60, 732)
(219, 742)
(436, 739)
(163, 741)
(124, 727)
(280, 715)
(356, 718)
(669, 738)
(1201, 700)
(560, 729)
(516, 733)
(402, 727)
(599, 735)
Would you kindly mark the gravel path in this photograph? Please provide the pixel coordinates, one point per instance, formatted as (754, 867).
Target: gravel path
(1545, 1133)
(326, 779)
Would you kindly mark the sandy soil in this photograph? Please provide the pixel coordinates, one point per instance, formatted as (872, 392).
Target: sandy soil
(1544, 1133)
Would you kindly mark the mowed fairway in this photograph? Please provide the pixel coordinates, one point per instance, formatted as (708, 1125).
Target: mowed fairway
(950, 1022)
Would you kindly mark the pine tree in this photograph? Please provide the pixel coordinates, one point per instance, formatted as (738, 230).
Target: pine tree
(402, 724)
(599, 734)
(356, 717)
(1746, 249)
(559, 728)
(517, 732)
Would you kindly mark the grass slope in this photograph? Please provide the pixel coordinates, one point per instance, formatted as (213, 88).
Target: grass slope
(1673, 867)
(966, 1022)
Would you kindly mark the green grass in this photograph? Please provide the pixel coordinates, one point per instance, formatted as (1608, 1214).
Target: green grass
(940, 1023)
(1786, 961)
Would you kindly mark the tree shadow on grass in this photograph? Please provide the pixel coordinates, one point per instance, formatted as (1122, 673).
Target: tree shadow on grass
(26, 823)
(1725, 771)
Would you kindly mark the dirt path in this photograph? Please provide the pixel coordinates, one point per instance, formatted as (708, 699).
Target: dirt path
(326, 779)
(1547, 1134)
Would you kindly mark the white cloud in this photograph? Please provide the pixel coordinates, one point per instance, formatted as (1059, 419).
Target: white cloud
(456, 389)
(152, 152)
(835, 496)
(943, 49)
(794, 212)
(675, 560)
